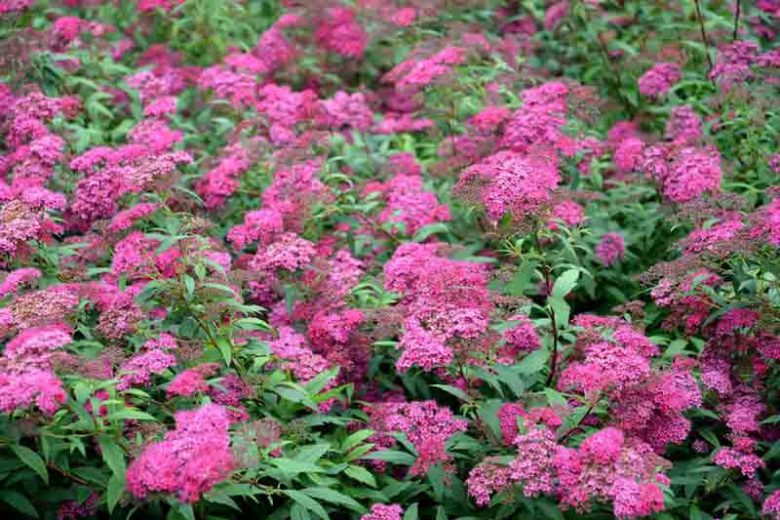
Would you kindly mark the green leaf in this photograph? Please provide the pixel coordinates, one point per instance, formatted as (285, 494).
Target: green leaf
(533, 362)
(565, 283)
(189, 286)
(334, 497)
(293, 467)
(561, 311)
(307, 503)
(431, 229)
(31, 459)
(18, 502)
(298, 512)
(361, 474)
(113, 456)
(356, 438)
(312, 453)
(394, 456)
(216, 498)
(131, 414)
(226, 349)
(321, 380)
(411, 512)
(457, 392)
(518, 283)
(116, 488)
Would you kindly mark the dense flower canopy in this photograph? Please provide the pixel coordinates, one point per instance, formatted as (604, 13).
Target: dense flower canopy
(389, 259)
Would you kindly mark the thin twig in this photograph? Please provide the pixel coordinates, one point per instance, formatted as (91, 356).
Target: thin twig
(736, 21)
(553, 323)
(67, 474)
(579, 422)
(703, 35)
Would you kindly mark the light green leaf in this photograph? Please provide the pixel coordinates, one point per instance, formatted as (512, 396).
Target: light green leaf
(113, 456)
(361, 474)
(565, 283)
(116, 487)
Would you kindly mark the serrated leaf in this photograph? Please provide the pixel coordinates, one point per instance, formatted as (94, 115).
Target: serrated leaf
(294, 467)
(356, 438)
(307, 503)
(113, 456)
(334, 497)
(18, 502)
(457, 392)
(114, 491)
(31, 459)
(533, 362)
(394, 456)
(565, 283)
(361, 474)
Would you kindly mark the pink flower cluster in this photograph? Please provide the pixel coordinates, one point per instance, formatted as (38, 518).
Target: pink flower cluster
(657, 81)
(446, 303)
(607, 467)
(426, 425)
(189, 461)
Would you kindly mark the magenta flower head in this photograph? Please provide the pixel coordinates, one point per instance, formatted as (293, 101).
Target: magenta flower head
(611, 249)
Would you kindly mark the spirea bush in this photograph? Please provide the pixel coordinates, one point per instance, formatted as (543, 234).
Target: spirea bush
(389, 259)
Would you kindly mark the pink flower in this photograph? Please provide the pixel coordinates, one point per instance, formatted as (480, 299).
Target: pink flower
(261, 225)
(532, 467)
(521, 337)
(486, 479)
(192, 381)
(339, 32)
(404, 17)
(384, 512)
(189, 461)
(634, 499)
(346, 111)
(628, 154)
(747, 463)
(17, 279)
(511, 183)
(568, 211)
(659, 79)
(21, 388)
(683, 126)
(604, 446)
(426, 425)
(611, 248)
(35, 345)
(555, 13)
(126, 218)
(771, 505)
(422, 348)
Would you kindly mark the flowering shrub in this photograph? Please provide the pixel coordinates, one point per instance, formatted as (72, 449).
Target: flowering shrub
(393, 260)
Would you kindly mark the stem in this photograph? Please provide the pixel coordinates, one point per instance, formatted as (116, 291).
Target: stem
(736, 21)
(554, 355)
(547, 279)
(67, 474)
(577, 426)
(703, 35)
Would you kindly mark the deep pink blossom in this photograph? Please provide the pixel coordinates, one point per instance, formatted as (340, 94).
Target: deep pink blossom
(657, 81)
(189, 461)
(384, 512)
(611, 249)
